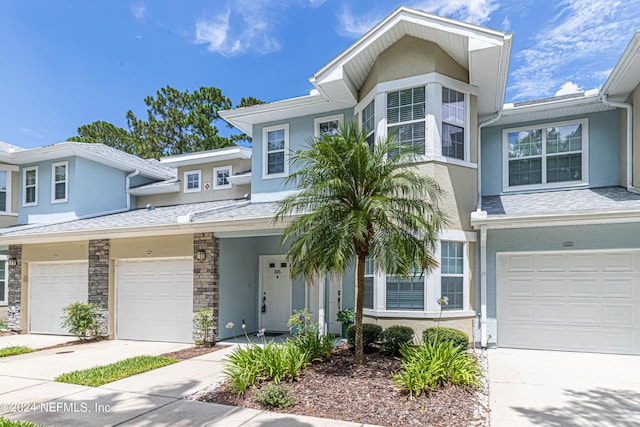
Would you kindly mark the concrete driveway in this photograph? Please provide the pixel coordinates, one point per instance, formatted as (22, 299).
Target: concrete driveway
(563, 389)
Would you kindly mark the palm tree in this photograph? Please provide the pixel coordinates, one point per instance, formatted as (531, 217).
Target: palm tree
(355, 202)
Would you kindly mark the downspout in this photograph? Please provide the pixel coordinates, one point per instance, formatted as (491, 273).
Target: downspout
(128, 186)
(483, 237)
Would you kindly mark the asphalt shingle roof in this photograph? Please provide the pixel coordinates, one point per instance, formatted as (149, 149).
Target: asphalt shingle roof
(134, 162)
(588, 199)
(164, 215)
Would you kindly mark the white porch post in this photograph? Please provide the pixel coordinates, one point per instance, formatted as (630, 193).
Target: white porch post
(321, 315)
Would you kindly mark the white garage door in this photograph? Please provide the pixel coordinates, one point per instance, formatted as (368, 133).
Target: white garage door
(572, 300)
(154, 299)
(53, 286)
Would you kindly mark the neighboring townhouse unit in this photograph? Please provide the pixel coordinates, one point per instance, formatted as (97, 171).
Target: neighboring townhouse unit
(540, 251)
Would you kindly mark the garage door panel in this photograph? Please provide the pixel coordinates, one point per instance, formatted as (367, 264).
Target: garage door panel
(53, 286)
(154, 299)
(576, 301)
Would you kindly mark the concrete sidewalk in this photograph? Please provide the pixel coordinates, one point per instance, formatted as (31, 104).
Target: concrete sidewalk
(34, 341)
(155, 398)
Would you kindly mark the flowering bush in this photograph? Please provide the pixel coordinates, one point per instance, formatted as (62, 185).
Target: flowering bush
(301, 321)
(346, 315)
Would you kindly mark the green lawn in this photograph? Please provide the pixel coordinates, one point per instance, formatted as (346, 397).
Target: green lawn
(12, 351)
(9, 423)
(3, 325)
(101, 375)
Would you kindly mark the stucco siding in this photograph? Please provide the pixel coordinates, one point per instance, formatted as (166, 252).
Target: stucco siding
(459, 188)
(408, 57)
(301, 129)
(583, 237)
(604, 151)
(3, 313)
(98, 188)
(15, 191)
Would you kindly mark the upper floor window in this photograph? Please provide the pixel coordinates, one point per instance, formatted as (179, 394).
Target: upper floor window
(549, 155)
(328, 125)
(453, 113)
(30, 186)
(192, 181)
(59, 190)
(275, 156)
(406, 113)
(369, 122)
(4, 189)
(221, 177)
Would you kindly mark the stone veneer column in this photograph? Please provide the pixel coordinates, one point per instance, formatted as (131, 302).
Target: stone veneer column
(99, 280)
(14, 297)
(206, 292)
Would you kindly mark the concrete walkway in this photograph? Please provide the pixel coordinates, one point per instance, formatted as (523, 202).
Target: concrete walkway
(563, 389)
(155, 398)
(34, 342)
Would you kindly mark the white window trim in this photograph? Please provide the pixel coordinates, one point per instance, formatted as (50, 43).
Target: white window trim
(544, 185)
(66, 182)
(433, 289)
(24, 186)
(215, 177)
(265, 145)
(9, 170)
(192, 190)
(319, 120)
(434, 82)
(4, 258)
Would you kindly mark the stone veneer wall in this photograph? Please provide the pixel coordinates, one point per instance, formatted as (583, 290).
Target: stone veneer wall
(206, 290)
(14, 297)
(99, 280)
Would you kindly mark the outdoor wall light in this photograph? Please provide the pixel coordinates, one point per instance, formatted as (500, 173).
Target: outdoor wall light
(201, 255)
(13, 262)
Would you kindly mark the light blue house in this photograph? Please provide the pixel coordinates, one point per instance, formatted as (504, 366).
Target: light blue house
(541, 248)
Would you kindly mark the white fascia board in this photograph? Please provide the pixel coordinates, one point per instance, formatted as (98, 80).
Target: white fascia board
(630, 55)
(173, 187)
(554, 220)
(223, 154)
(245, 178)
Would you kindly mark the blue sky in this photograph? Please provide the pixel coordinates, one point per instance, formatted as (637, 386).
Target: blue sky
(66, 63)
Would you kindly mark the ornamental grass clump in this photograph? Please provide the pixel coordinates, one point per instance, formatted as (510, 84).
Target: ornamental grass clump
(435, 363)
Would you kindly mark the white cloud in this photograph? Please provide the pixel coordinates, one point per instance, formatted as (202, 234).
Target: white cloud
(473, 11)
(506, 24)
(568, 88)
(34, 133)
(213, 32)
(139, 11)
(582, 33)
(317, 3)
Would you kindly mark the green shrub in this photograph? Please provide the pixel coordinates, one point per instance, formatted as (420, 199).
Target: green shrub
(274, 395)
(393, 337)
(433, 363)
(458, 338)
(317, 346)
(12, 351)
(205, 323)
(4, 422)
(81, 320)
(370, 335)
(243, 368)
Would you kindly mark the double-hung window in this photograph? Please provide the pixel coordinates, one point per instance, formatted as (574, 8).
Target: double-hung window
(405, 293)
(276, 144)
(4, 188)
(369, 123)
(452, 274)
(59, 190)
(368, 283)
(548, 155)
(453, 114)
(328, 125)
(221, 177)
(192, 181)
(30, 186)
(406, 117)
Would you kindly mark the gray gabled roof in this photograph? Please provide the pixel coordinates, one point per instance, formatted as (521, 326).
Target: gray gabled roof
(554, 202)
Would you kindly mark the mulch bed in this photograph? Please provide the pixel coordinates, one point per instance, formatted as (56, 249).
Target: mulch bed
(190, 352)
(340, 389)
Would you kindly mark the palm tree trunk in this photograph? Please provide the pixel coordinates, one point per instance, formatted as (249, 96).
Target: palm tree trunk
(359, 307)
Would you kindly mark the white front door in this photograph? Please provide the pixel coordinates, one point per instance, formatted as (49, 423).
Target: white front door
(275, 293)
(335, 301)
(53, 286)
